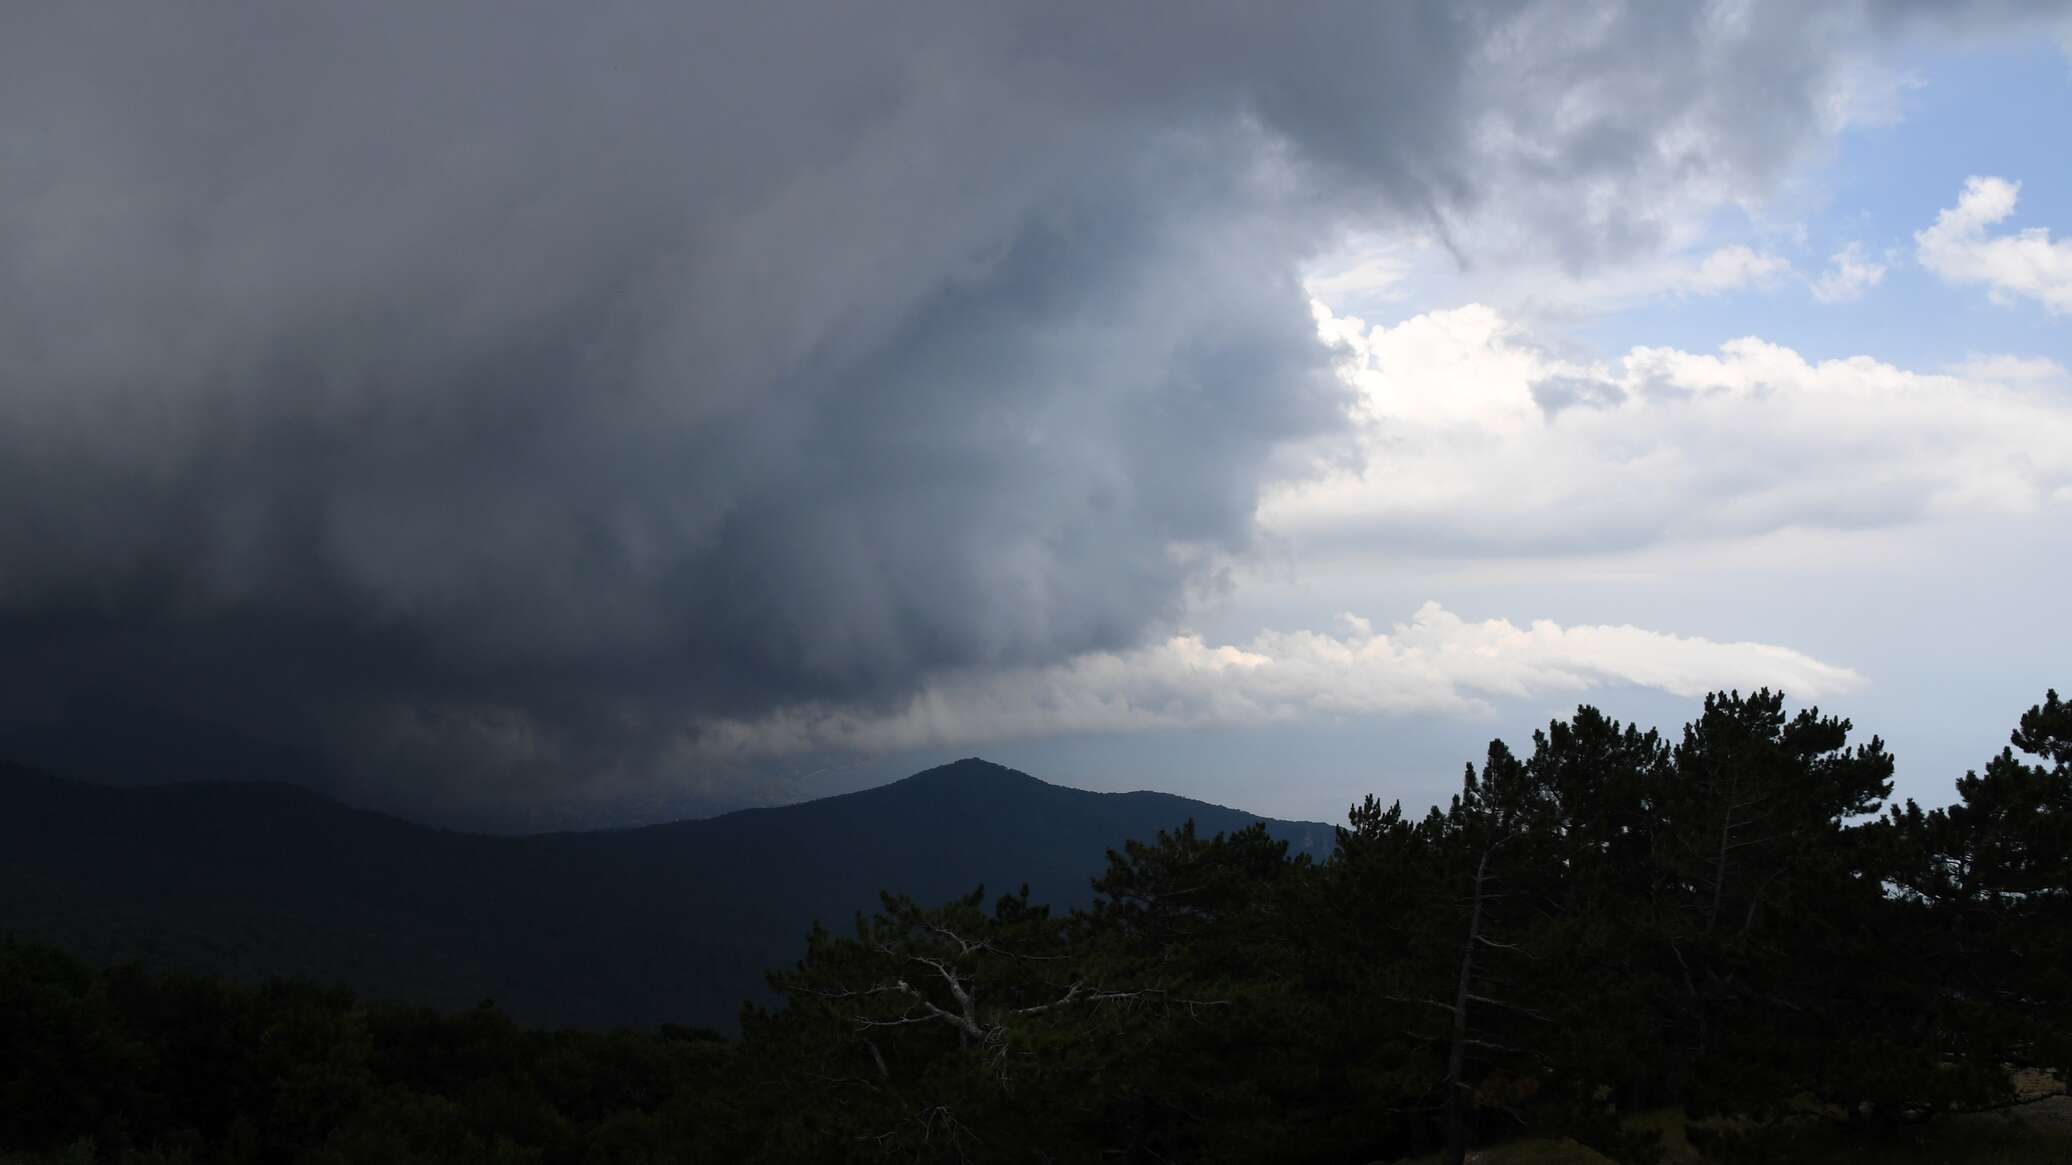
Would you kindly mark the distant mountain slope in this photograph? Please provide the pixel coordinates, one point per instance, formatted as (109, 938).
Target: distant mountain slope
(672, 923)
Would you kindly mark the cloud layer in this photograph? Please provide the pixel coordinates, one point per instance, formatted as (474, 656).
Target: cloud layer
(492, 390)
(1480, 442)
(1436, 663)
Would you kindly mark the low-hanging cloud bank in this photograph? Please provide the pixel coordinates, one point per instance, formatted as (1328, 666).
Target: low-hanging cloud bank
(1436, 663)
(489, 390)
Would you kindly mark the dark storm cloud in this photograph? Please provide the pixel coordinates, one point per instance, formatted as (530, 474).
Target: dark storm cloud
(494, 390)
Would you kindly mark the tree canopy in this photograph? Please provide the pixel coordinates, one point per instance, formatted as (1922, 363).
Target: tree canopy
(1732, 922)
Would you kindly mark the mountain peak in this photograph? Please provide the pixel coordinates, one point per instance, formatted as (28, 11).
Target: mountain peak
(970, 771)
(264, 879)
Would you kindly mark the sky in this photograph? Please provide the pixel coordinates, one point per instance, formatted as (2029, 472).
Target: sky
(537, 416)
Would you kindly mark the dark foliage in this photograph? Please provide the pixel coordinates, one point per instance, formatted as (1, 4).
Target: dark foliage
(124, 1065)
(1731, 922)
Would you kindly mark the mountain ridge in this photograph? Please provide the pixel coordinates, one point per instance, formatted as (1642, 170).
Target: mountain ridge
(672, 922)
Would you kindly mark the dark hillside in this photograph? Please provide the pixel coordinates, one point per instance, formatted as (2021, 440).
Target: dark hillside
(671, 923)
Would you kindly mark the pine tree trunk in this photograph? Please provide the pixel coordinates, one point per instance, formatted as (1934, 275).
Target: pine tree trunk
(1456, 1054)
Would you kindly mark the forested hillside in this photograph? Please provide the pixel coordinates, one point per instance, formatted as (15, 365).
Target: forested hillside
(1729, 923)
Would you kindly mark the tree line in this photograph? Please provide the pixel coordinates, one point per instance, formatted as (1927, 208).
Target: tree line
(1733, 922)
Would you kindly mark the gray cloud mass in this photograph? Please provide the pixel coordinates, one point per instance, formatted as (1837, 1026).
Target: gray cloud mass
(494, 393)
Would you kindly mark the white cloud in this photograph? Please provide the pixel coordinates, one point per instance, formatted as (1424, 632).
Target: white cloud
(1366, 267)
(2006, 369)
(1732, 268)
(2028, 263)
(1478, 442)
(1366, 274)
(1849, 274)
(1437, 663)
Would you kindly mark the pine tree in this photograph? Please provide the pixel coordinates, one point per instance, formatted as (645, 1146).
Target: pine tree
(1989, 883)
(1750, 833)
